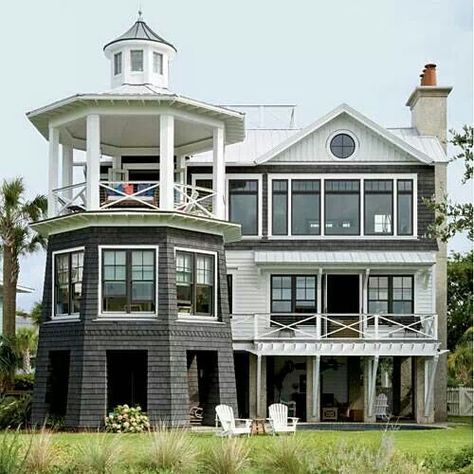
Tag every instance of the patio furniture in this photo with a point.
(381, 407)
(330, 414)
(258, 426)
(279, 420)
(225, 416)
(291, 407)
(195, 415)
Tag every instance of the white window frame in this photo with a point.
(190, 317)
(62, 317)
(345, 132)
(123, 316)
(345, 176)
(116, 55)
(153, 56)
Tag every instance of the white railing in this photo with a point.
(70, 199)
(129, 194)
(335, 326)
(194, 200)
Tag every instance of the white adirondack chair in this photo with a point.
(279, 420)
(225, 416)
(381, 407)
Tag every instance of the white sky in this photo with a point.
(317, 54)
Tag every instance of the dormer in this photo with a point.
(140, 56)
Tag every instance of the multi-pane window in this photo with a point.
(136, 60)
(243, 204)
(195, 280)
(342, 204)
(117, 63)
(293, 293)
(129, 280)
(378, 204)
(391, 294)
(405, 206)
(68, 270)
(280, 207)
(305, 207)
(157, 63)
(342, 146)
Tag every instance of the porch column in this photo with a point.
(53, 170)
(370, 381)
(67, 176)
(313, 401)
(166, 162)
(93, 162)
(257, 386)
(425, 373)
(218, 173)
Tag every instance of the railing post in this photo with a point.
(376, 326)
(318, 326)
(435, 326)
(255, 326)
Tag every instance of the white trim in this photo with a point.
(123, 315)
(69, 316)
(345, 132)
(344, 176)
(187, 316)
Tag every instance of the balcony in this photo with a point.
(141, 195)
(335, 327)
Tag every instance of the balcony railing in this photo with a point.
(320, 327)
(135, 195)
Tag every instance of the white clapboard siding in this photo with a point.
(424, 292)
(372, 147)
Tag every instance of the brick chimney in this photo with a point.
(428, 105)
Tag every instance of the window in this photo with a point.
(293, 294)
(117, 64)
(405, 207)
(378, 203)
(305, 207)
(230, 292)
(391, 294)
(342, 145)
(68, 270)
(243, 204)
(136, 60)
(342, 207)
(195, 283)
(280, 207)
(128, 280)
(157, 63)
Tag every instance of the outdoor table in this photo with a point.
(258, 426)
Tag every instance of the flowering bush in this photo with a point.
(125, 419)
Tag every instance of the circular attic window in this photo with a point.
(342, 145)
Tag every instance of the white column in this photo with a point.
(166, 162)
(218, 173)
(259, 385)
(93, 162)
(53, 169)
(67, 176)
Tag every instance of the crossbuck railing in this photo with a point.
(70, 198)
(338, 326)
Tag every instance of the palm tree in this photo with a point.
(10, 360)
(26, 342)
(16, 239)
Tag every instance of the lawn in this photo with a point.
(420, 444)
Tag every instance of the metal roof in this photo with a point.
(140, 31)
(344, 258)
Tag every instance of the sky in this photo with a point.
(313, 53)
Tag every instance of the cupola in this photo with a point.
(140, 56)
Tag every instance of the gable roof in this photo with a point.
(346, 109)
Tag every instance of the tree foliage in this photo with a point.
(453, 218)
(17, 239)
(460, 362)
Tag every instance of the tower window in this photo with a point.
(68, 268)
(157, 63)
(136, 60)
(117, 64)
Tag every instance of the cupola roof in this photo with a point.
(140, 31)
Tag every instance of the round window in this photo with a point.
(342, 145)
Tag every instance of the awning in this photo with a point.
(263, 257)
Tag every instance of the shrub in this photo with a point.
(125, 419)
(449, 460)
(229, 457)
(24, 381)
(287, 455)
(42, 455)
(171, 451)
(100, 454)
(15, 412)
(12, 460)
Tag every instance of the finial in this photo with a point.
(140, 15)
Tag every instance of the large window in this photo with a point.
(305, 207)
(129, 280)
(405, 206)
(378, 203)
(195, 280)
(136, 60)
(243, 204)
(280, 207)
(342, 207)
(391, 294)
(117, 64)
(158, 63)
(68, 269)
(293, 293)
